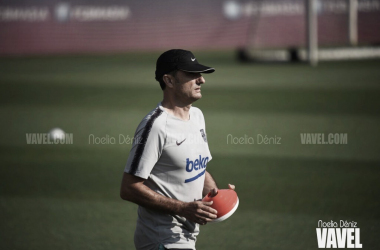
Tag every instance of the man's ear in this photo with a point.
(169, 80)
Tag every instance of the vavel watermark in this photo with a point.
(342, 234)
(258, 139)
(49, 138)
(321, 138)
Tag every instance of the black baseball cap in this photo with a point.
(179, 59)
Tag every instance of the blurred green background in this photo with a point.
(67, 196)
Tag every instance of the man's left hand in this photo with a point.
(214, 191)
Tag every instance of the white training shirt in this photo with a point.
(172, 155)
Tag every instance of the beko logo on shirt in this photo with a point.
(197, 164)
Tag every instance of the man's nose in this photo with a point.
(201, 80)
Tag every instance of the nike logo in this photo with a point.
(192, 59)
(179, 143)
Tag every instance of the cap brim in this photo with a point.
(196, 68)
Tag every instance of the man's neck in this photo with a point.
(177, 109)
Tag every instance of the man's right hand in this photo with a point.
(199, 212)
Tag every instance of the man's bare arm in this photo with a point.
(133, 190)
(211, 186)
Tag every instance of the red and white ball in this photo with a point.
(225, 202)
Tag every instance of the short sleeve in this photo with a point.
(147, 146)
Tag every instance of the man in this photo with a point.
(166, 168)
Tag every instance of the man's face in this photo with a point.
(188, 85)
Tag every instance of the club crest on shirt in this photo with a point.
(203, 135)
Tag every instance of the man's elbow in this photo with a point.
(125, 194)
(130, 186)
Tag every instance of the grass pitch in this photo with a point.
(67, 196)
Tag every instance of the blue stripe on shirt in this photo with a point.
(195, 177)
